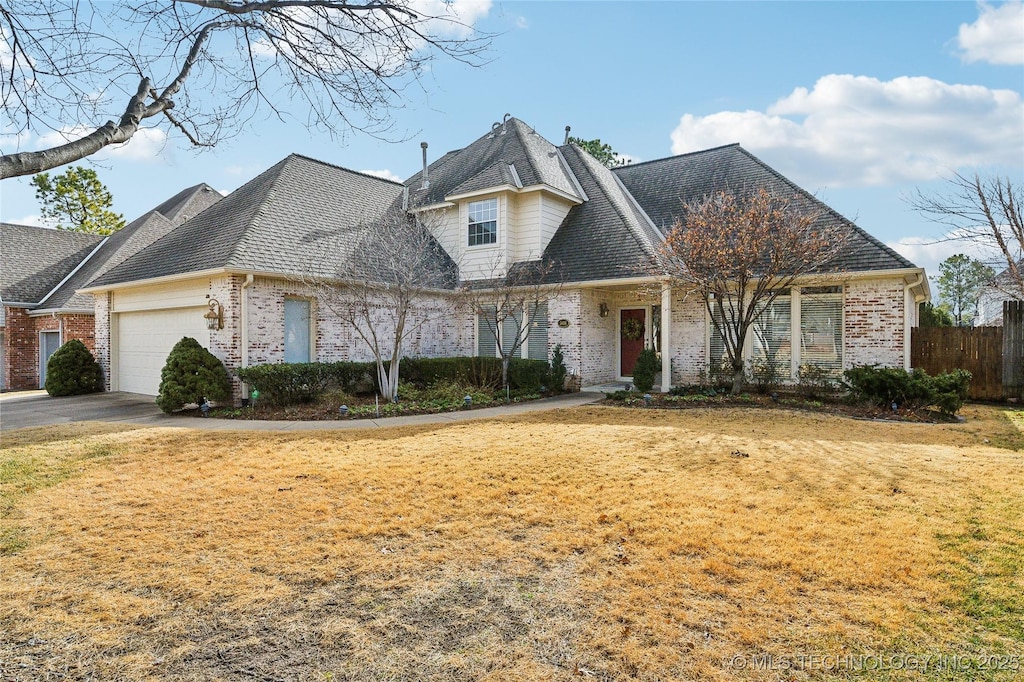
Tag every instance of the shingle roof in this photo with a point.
(278, 222)
(485, 163)
(34, 260)
(661, 187)
(606, 237)
(131, 239)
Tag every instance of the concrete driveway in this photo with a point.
(36, 408)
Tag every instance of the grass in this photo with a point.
(596, 542)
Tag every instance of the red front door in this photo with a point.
(632, 333)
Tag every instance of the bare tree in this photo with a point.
(205, 68)
(509, 302)
(739, 252)
(392, 279)
(987, 212)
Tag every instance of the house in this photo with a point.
(990, 302)
(42, 269)
(509, 198)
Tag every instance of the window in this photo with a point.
(773, 330)
(483, 222)
(296, 330)
(821, 328)
(534, 346)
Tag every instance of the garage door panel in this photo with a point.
(144, 340)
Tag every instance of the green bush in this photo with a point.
(72, 370)
(647, 367)
(558, 369)
(886, 385)
(191, 374)
(474, 371)
(528, 375)
(306, 382)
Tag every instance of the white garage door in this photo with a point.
(145, 338)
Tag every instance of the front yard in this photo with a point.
(594, 543)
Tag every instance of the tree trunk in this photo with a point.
(738, 379)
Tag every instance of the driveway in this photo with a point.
(36, 408)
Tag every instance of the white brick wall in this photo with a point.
(101, 315)
(873, 325)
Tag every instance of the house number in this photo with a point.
(563, 323)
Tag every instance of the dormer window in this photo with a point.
(483, 222)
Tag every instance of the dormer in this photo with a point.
(497, 202)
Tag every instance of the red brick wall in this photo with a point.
(21, 343)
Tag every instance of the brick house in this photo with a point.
(508, 198)
(42, 269)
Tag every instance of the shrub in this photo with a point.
(72, 370)
(558, 369)
(528, 375)
(646, 368)
(886, 385)
(815, 382)
(767, 373)
(474, 371)
(191, 374)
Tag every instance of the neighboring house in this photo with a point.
(42, 269)
(510, 197)
(990, 303)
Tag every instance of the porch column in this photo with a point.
(666, 337)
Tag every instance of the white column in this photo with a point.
(666, 337)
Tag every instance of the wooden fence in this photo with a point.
(993, 355)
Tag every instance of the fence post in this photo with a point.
(1013, 349)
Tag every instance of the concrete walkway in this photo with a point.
(36, 408)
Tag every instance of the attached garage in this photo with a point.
(145, 338)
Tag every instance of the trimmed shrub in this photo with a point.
(191, 374)
(474, 371)
(72, 370)
(558, 369)
(886, 385)
(527, 376)
(306, 382)
(646, 368)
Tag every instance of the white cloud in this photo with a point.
(927, 253)
(453, 17)
(522, 22)
(857, 130)
(384, 173)
(996, 37)
(33, 219)
(145, 145)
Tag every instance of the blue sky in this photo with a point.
(859, 102)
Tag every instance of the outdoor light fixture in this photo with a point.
(215, 315)
(604, 310)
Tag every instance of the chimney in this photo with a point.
(567, 129)
(426, 180)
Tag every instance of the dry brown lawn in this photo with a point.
(595, 543)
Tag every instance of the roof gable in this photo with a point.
(34, 260)
(485, 164)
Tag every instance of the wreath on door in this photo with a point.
(632, 329)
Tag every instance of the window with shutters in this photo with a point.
(535, 343)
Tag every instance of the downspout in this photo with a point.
(908, 314)
(244, 323)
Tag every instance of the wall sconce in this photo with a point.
(215, 315)
(604, 309)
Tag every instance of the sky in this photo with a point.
(861, 103)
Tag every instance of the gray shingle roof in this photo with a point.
(131, 239)
(661, 187)
(485, 162)
(605, 237)
(33, 260)
(280, 222)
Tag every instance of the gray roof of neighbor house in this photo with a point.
(486, 163)
(286, 220)
(661, 187)
(33, 260)
(128, 241)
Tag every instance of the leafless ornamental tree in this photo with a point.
(739, 252)
(393, 278)
(988, 212)
(205, 68)
(508, 302)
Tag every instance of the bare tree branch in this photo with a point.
(216, 63)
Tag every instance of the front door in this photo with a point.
(49, 342)
(632, 333)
